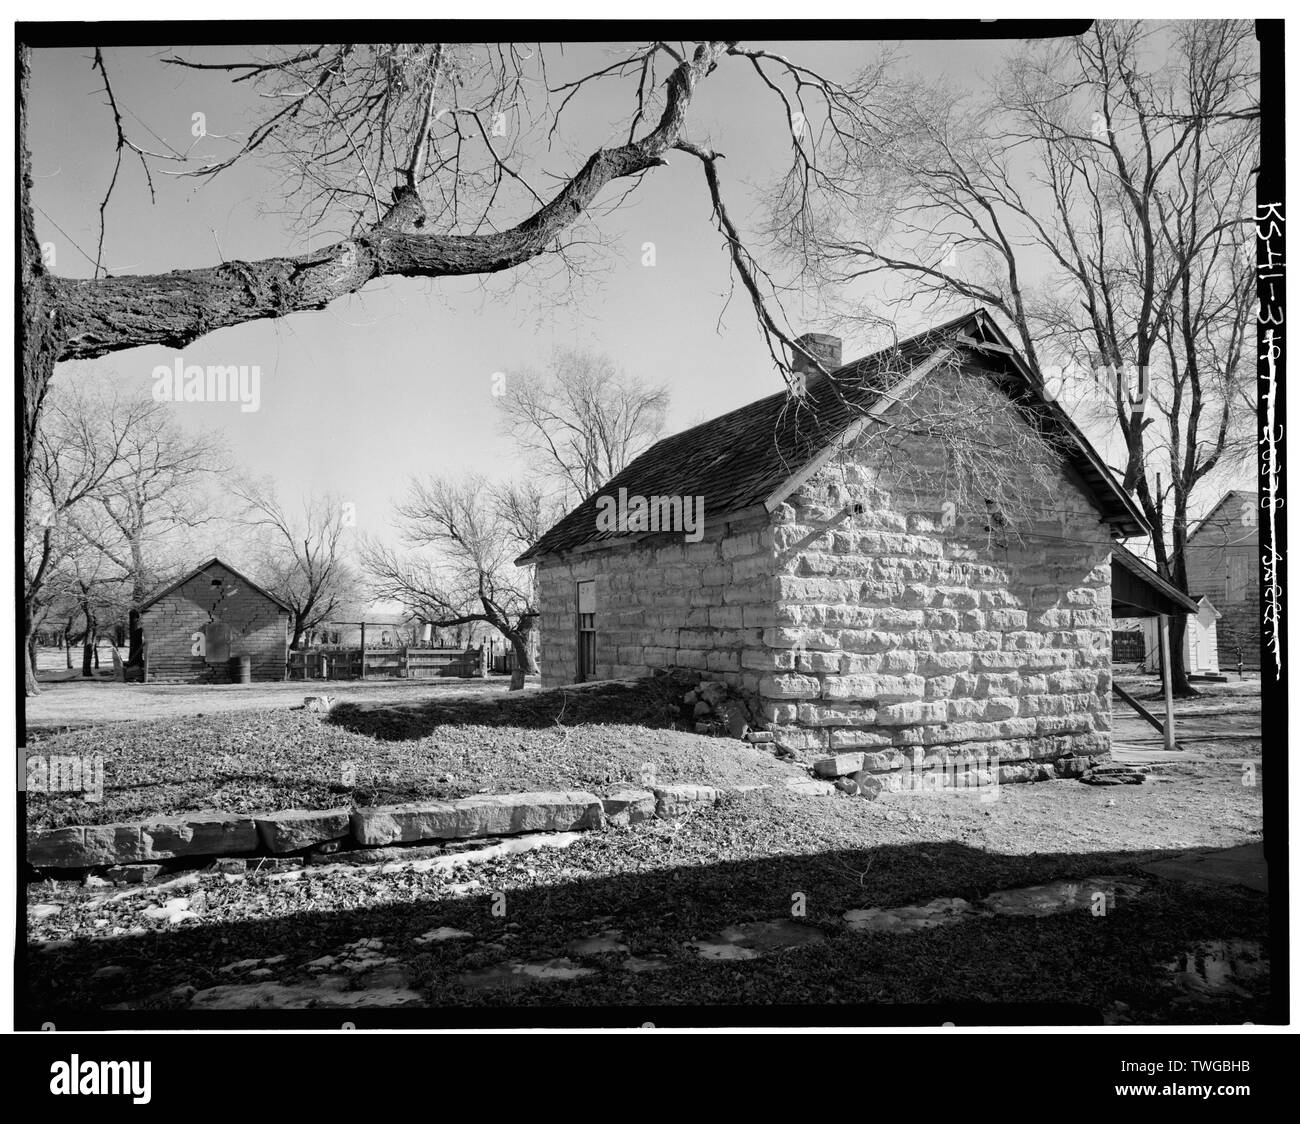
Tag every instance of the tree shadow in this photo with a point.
(648, 702)
(1075, 967)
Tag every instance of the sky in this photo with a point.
(397, 381)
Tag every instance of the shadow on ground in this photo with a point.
(651, 703)
(1066, 967)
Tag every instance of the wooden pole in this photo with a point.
(363, 649)
(1166, 676)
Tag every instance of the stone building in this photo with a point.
(847, 572)
(1223, 560)
(198, 628)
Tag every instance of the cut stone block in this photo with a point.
(629, 806)
(68, 847)
(841, 765)
(198, 833)
(475, 816)
(166, 837)
(674, 799)
(125, 875)
(299, 828)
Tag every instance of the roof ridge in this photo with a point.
(175, 585)
(896, 345)
(743, 457)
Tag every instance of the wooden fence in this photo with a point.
(1127, 647)
(385, 663)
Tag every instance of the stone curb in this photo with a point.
(507, 814)
(163, 837)
(204, 834)
(217, 834)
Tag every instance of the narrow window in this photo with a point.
(586, 631)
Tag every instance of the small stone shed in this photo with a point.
(197, 628)
(860, 615)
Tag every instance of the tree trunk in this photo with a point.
(523, 660)
(1183, 688)
(135, 644)
(38, 338)
(30, 687)
(1177, 666)
(29, 668)
(88, 645)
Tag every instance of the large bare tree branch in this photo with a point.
(97, 317)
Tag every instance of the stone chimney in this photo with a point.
(828, 349)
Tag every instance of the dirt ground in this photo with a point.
(672, 913)
(1038, 905)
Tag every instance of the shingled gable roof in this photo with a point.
(754, 456)
(1239, 494)
(198, 570)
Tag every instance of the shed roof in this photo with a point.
(1137, 590)
(754, 455)
(214, 560)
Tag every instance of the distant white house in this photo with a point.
(1200, 641)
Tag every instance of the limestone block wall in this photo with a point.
(908, 624)
(662, 602)
(870, 612)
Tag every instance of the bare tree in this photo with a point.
(155, 490)
(430, 156)
(76, 456)
(304, 563)
(433, 160)
(526, 510)
(1099, 199)
(470, 534)
(582, 420)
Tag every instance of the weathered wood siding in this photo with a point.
(255, 626)
(1223, 564)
